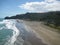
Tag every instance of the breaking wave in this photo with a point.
(10, 24)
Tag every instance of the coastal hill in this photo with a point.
(52, 17)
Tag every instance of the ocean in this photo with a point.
(8, 32)
(16, 32)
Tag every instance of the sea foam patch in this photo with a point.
(11, 25)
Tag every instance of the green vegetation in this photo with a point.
(49, 18)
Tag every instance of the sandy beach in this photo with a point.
(45, 32)
(27, 35)
(34, 33)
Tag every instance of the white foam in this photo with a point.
(2, 22)
(11, 25)
(3, 28)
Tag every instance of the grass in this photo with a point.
(53, 26)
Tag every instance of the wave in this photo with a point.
(3, 28)
(3, 21)
(11, 25)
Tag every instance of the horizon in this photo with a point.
(13, 7)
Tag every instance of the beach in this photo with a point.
(27, 35)
(35, 33)
(47, 34)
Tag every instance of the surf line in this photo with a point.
(12, 25)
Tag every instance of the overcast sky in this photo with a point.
(13, 7)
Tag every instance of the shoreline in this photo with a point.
(48, 35)
(27, 36)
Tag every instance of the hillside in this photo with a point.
(52, 17)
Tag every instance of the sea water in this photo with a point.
(8, 32)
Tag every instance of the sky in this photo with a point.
(13, 7)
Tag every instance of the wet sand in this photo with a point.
(46, 33)
(27, 36)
